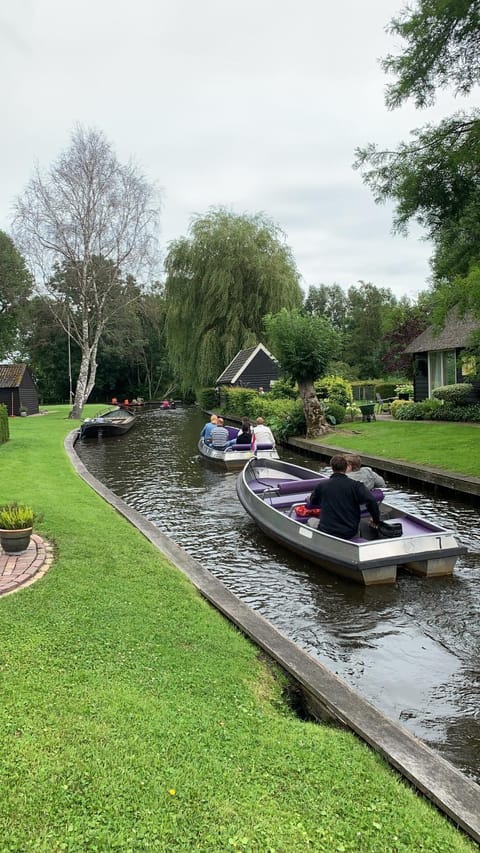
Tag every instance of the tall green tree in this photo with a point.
(367, 320)
(221, 280)
(15, 289)
(304, 345)
(329, 301)
(97, 219)
(435, 177)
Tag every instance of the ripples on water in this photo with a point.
(412, 648)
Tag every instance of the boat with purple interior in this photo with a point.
(237, 455)
(270, 492)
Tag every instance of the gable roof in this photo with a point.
(454, 334)
(241, 361)
(11, 375)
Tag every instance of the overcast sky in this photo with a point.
(256, 106)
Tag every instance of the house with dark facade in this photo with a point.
(437, 356)
(18, 390)
(255, 367)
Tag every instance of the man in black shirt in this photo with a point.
(340, 499)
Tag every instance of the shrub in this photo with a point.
(334, 412)
(14, 516)
(287, 421)
(4, 427)
(336, 389)
(449, 412)
(404, 388)
(410, 412)
(385, 390)
(458, 394)
(284, 388)
(352, 411)
(396, 405)
(207, 398)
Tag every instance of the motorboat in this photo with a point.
(270, 491)
(237, 455)
(115, 421)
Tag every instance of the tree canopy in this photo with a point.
(435, 177)
(95, 221)
(304, 345)
(15, 289)
(221, 280)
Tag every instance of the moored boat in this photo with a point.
(115, 421)
(237, 455)
(271, 491)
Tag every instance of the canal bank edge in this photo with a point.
(325, 694)
(412, 471)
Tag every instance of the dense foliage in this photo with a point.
(15, 289)
(4, 429)
(222, 279)
(435, 178)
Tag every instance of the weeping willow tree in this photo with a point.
(222, 279)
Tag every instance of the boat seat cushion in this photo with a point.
(289, 487)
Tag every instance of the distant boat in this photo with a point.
(113, 422)
(270, 493)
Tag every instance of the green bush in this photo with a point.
(449, 412)
(283, 388)
(287, 420)
(410, 412)
(334, 412)
(458, 394)
(4, 428)
(385, 390)
(207, 398)
(14, 516)
(336, 389)
(396, 405)
(352, 411)
(243, 402)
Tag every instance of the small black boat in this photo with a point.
(114, 422)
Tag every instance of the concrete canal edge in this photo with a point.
(409, 471)
(325, 694)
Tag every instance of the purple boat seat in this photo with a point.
(241, 447)
(289, 487)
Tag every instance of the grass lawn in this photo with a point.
(450, 446)
(135, 718)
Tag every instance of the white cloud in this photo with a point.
(256, 105)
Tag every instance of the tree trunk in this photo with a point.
(314, 414)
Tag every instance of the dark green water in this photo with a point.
(413, 648)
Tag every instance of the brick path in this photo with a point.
(19, 570)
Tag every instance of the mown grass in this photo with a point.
(135, 718)
(449, 446)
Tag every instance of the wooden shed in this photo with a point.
(437, 356)
(18, 390)
(251, 368)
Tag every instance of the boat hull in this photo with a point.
(232, 459)
(113, 422)
(424, 549)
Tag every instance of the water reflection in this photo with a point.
(411, 648)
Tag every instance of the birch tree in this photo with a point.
(97, 219)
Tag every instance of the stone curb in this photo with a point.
(327, 695)
(408, 470)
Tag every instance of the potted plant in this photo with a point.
(16, 525)
(23, 412)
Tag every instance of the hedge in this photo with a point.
(4, 428)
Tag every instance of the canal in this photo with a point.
(412, 648)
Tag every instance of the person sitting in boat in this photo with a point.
(364, 474)
(219, 435)
(165, 404)
(244, 435)
(263, 434)
(340, 499)
(206, 432)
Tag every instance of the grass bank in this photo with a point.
(135, 718)
(448, 446)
